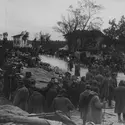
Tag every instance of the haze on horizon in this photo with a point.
(41, 15)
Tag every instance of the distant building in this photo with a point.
(84, 40)
(18, 41)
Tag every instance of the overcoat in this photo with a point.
(119, 96)
(63, 104)
(104, 90)
(51, 94)
(36, 102)
(21, 98)
(95, 111)
(77, 70)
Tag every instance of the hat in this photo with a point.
(87, 87)
(32, 81)
(62, 92)
(94, 82)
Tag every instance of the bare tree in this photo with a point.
(44, 37)
(116, 30)
(84, 16)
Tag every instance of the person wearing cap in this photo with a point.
(82, 84)
(66, 80)
(105, 87)
(95, 84)
(89, 75)
(60, 79)
(52, 81)
(77, 69)
(21, 96)
(36, 99)
(27, 79)
(90, 106)
(57, 86)
(101, 69)
(112, 86)
(114, 79)
(119, 97)
(70, 64)
(50, 95)
(62, 103)
(99, 78)
(67, 74)
(94, 113)
(83, 103)
(19, 66)
(13, 78)
(74, 92)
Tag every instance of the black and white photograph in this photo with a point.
(62, 62)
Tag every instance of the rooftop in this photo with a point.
(18, 35)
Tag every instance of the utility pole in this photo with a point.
(6, 15)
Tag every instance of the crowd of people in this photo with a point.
(112, 58)
(65, 92)
(88, 94)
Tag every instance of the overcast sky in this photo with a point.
(37, 15)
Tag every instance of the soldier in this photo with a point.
(95, 108)
(119, 97)
(50, 95)
(62, 103)
(112, 86)
(83, 103)
(52, 81)
(105, 87)
(77, 69)
(82, 85)
(36, 100)
(66, 80)
(89, 75)
(21, 96)
(27, 79)
(90, 106)
(70, 64)
(8, 71)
